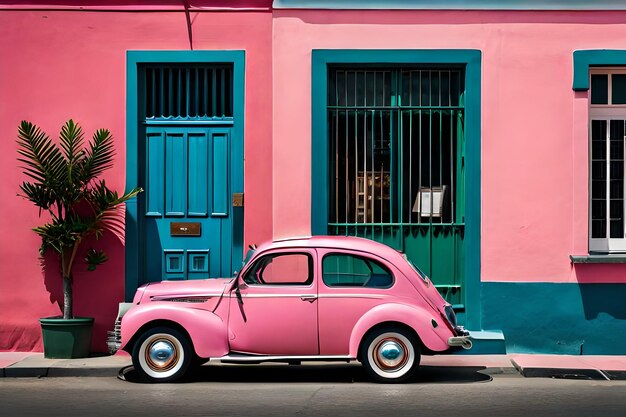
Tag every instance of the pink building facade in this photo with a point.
(506, 126)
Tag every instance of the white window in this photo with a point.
(607, 119)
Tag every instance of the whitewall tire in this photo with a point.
(390, 355)
(162, 354)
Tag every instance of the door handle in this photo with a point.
(309, 298)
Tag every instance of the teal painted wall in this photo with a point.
(557, 318)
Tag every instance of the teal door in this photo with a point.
(187, 216)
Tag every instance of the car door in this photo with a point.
(350, 284)
(275, 312)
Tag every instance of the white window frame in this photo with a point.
(606, 112)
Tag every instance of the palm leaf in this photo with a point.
(44, 162)
(71, 139)
(38, 194)
(98, 157)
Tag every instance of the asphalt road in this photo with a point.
(313, 390)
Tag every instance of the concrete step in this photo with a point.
(486, 342)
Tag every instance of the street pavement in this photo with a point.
(19, 364)
(314, 390)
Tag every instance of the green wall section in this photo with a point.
(557, 318)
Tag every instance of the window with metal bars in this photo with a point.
(188, 92)
(396, 161)
(607, 122)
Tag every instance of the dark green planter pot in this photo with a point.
(66, 339)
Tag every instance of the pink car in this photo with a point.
(320, 298)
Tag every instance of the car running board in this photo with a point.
(250, 358)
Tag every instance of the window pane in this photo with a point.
(598, 150)
(618, 89)
(617, 229)
(598, 189)
(354, 271)
(293, 268)
(617, 209)
(360, 88)
(445, 88)
(341, 88)
(598, 229)
(351, 88)
(598, 130)
(598, 209)
(425, 88)
(617, 189)
(370, 91)
(405, 90)
(598, 170)
(599, 89)
(435, 92)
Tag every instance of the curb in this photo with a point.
(54, 372)
(570, 373)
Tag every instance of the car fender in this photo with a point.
(418, 318)
(207, 330)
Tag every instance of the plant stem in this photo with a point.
(67, 298)
(66, 266)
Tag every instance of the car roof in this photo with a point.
(332, 242)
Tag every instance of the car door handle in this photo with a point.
(309, 298)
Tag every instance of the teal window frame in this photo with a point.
(470, 59)
(584, 59)
(133, 60)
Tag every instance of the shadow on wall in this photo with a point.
(598, 298)
(557, 318)
(97, 293)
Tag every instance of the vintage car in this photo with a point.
(318, 298)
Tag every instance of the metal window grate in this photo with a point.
(397, 168)
(395, 146)
(188, 91)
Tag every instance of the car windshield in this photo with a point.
(249, 256)
(421, 274)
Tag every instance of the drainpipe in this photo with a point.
(189, 32)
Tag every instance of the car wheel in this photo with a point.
(390, 355)
(162, 354)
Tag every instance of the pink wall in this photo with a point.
(58, 65)
(534, 127)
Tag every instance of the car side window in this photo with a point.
(281, 269)
(343, 270)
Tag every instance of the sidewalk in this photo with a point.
(17, 364)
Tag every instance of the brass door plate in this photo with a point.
(185, 229)
(237, 199)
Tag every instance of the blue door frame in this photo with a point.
(470, 60)
(134, 235)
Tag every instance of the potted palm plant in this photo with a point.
(64, 183)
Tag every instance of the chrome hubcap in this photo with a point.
(161, 355)
(390, 354)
